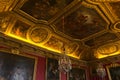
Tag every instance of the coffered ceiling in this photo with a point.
(88, 29)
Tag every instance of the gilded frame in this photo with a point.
(52, 72)
(77, 74)
(13, 64)
(113, 71)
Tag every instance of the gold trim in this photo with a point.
(83, 68)
(49, 66)
(28, 56)
(113, 17)
(40, 26)
(97, 10)
(114, 27)
(111, 66)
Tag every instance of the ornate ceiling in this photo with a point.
(89, 29)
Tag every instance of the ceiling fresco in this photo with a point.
(44, 9)
(82, 23)
(84, 27)
(20, 29)
(54, 43)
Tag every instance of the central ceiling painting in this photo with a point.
(82, 23)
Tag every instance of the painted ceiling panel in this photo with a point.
(82, 23)
(44, 9)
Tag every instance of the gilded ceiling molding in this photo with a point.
(100, 12)
(39, 33)
(72, 47)
(3, 4)
(89, 5)
(108, 50)
(65, 10)
(110, 12)
(46, 33)
(80, 53)
(19, 8)
(17, 11)
(116, 27)
(105, 6)
(7, 5)
(54, 43)
(11, 46)
(26, 31)
(36, 34)
(92, 2)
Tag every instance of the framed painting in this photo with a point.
(113, 71)
(52, 69)
(77, 74)
(16, 67)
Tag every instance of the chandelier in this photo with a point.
(101, 71)
(64, 62)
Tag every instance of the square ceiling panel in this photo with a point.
(82, 23)
(44, 9)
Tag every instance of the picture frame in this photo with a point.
(17, 66)
(52, 72)
(77, 74)
(113, 71)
